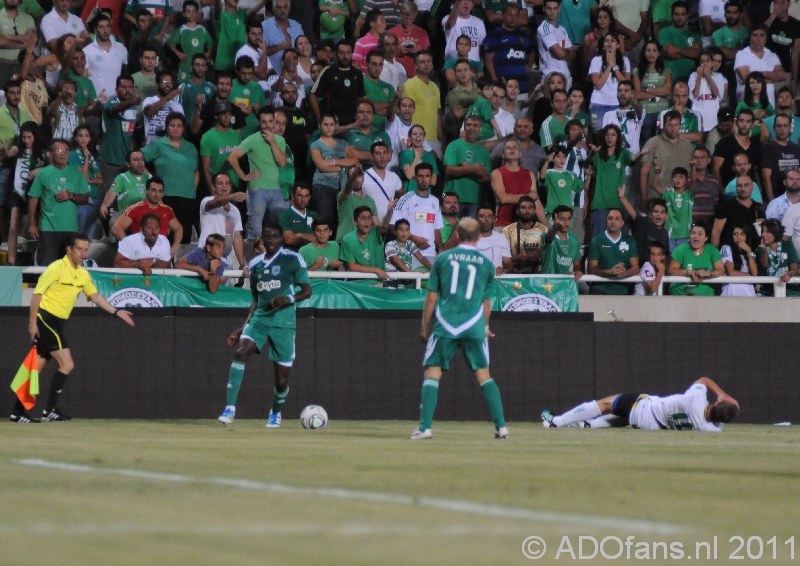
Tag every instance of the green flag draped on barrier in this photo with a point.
(517, 294)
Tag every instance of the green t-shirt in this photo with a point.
(561, 187)
(312, 253)
(686, 257)
(661, 11)
(457, 96)
(778, 264)
(481, 107)
(271, 277)
(368, 253)
(117, 133)
(259, 153)
(654, 79)
(447, 230)
(287, 174)
(246, 95)
(463, 279)
(559, 255)
(145, 86)
(608, 254)
(218, 145)
(458, 152)
(679, 212)
(690, 121)
(681, 38)
(189, 41)
(175, 166)
(580, 116)
(189, 96)
(292, 221)
(407, 157)
(345, 212)
(726, 37)
(85, 91)
(609, 174)
(129, 188)
(57, 216)
(552, 130)
(231, 36)
(378, 91)
(363, 142)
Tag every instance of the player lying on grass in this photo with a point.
(691, 410)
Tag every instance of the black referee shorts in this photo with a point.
(51, 334)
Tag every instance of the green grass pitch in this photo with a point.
(194, 492)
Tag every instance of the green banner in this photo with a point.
(11, 286)
(523, 294)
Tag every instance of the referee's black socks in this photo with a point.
(55, 390)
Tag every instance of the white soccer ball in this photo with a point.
(314, 417)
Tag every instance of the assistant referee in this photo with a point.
(53, 300)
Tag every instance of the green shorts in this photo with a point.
(281, 340)
(440, 350)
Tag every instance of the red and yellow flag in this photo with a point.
(26, 382)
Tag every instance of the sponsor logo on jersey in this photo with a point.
(268, 285)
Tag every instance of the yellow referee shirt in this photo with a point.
(60, 285)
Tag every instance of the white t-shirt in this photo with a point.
(53, 27)
(791, 224)
(424, 216)
(505, 121)
(548, 35)
(134, 248)
(707, 105)
(715, 9)
(495, 247)
(155, 125)
(767, 62)
(219, 221)
(398, 134)
(684, 411)
(629, 12)
(472, 27)
(736, 289)
(393, 73)
(105, 66)
(607, 95)
(381, 190)
(631, 127)
(254, 54)
(647, 273)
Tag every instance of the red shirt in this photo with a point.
(137, 211)
(515, 183)
(414, 39)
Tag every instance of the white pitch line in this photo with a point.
(460, 506)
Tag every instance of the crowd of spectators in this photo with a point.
(608, 137)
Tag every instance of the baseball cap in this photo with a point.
(221, 107)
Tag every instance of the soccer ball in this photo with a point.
(314, 417)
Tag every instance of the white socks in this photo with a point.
(583, 412)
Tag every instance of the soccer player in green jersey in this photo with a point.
(456, 313)
(272, 320)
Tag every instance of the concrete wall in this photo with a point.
(367, 364)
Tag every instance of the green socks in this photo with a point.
(235, 376)
(430, 396)
(278, 400)
(492, 395)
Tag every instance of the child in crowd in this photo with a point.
(652, 271)
(207, 262)
(679, 208)
(575, 109)
(483, 108)
(401, 252)
(322, 254)
(189, 39)
(561, 185)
